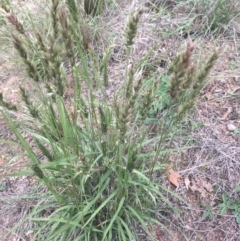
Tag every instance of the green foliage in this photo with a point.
(195, 125)
(231, 205)
(208, 213)
(5, 5)
(162, 99)
(235, 132)
(2, 21)
(99, 159)
(94, 7)
(216, 15)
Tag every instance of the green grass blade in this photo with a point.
(100, 207)
(19, 136)
(114, 217)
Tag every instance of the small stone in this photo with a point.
(231, 127)
(108, 92)
(217, 90)
(216, 132)
(223, 81)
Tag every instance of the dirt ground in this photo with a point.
(209, 169)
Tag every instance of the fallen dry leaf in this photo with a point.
(201, 186)
(158, 235)
(187, 182)
(173, 177)
(155, 234)
(201, 190)
(72, 111)
(208, 186)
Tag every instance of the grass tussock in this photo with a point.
(99, 153)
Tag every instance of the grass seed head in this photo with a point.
(63, 18)
(180, 70)
(183, 110)
(124, 119)
(32, 70)
(66, 35)
(131, 29)
(32, 109)
(19, 46)
(132, 158)
(86, 37)
(136, 91)
(54, 16)
(147, 102)
(130, 82)
(44, 150)
(201, 77)
(103, 119)
(40, 42)
(14, 21)
(37, 171)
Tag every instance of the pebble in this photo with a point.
(231, 127)
(217, 90)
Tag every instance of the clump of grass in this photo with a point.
(93, 7)
(216, 15)
(97, 171)
(175, 95)
(74, 11)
